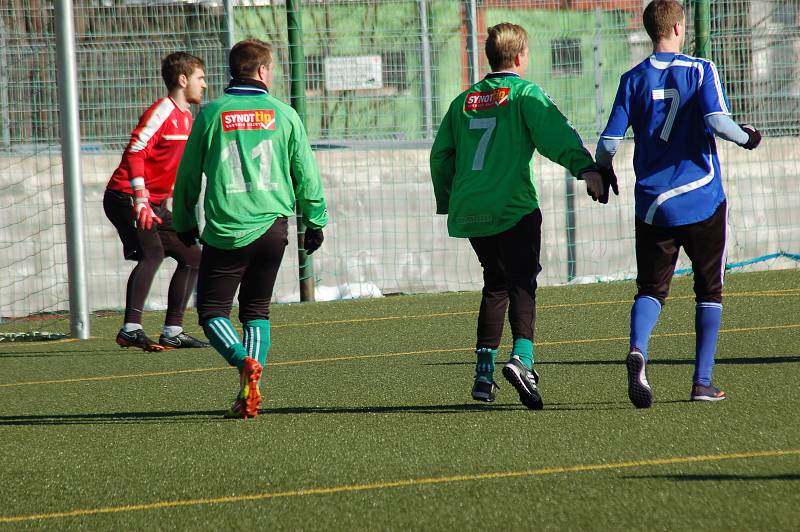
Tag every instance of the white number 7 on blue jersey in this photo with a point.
(675, 97)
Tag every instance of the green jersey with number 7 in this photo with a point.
(255, 154)
(481, 160)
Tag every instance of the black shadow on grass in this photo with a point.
(40, 354)
(82, 353)
(114, 418)
(682, 478)
(216, 415)
(789, 359)
(442, 409)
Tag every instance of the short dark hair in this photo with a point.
(176, 64)
(247, 56)
(660, 16)
(505, 42)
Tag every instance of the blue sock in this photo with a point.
(644, 315)
(707, 319)
(225, 340)
(257, 340)
(523, 349)
(484, 367)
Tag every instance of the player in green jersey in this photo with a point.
(482, 178)
(257, 160)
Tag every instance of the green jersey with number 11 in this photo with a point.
(255, 154)
(481, 158)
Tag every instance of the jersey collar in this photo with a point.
(246, 87)
(501, 74)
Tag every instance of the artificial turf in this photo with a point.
(367, 423)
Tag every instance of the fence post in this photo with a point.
(5, 116)
(71, 164)
(702, 23)
(230, 27)
(297, 81)
(471, 9)
(427, 89)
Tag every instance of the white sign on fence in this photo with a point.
(353, 73)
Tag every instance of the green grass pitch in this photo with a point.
(367, 423)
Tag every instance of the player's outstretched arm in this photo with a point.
(725, 128)
(604, 155)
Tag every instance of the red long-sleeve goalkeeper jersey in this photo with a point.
(155, 150)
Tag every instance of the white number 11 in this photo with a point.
(262, 152)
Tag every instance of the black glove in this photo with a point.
(190, 237)
(609, 181)
(753, 137)
(312, 240)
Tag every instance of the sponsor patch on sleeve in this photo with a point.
(248, 120)
(479, 101)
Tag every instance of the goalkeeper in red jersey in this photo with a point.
(481, 170)
(135, 202)
(257, 160)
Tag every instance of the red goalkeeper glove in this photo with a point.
(142, 210)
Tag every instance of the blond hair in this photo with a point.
(505, 42)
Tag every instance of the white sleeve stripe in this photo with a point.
(717, 113)
(174, 137)
(157, 119)
(612, 137)
(718, 86)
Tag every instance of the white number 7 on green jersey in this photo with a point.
(480, 153)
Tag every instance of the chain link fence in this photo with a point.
(379, 76)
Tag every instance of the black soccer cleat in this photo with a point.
(483, 390)
(639, 391)
(524, 380)
(138, 339)
(181, 341)
(707, 393)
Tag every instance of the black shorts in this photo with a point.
(118, 207)
(657, 251)
(252, 269)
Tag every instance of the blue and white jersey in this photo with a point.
(665, 100)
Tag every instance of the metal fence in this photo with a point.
(379, 75)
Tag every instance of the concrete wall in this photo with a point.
(383, 234)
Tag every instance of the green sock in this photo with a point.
(523, 349)
(257, 340)
(225, 340)
(484, 368)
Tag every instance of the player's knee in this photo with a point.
(709, 298)
(190, 258)
(658, 295)
(151, 253)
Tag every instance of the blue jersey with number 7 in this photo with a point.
(665, 99)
